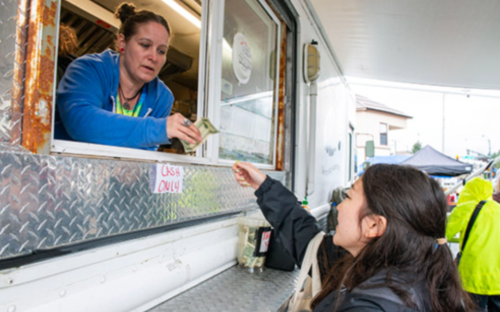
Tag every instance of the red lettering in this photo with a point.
(177, 186)
(166, 186)
(164, 170)
(170, 171)
(169, 179)
(161, 187)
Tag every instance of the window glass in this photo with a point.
(383, 134)
(248, 95)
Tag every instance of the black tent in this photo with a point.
(435, 163)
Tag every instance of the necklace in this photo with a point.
(126, 105)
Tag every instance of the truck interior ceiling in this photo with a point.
(96, 29)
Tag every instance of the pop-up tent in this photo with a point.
(393, 159)
(435, 163)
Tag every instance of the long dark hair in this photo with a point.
(415, 208)
(131, 18)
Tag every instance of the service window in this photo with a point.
(235, 85)
(96, 30)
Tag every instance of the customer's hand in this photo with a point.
(177, 127)
(247, 175)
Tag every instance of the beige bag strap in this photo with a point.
(312, 285)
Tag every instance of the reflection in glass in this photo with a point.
(248, 83)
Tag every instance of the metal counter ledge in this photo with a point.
(235, 290)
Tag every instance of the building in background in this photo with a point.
(374, 122)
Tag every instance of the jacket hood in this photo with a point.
(476, 190)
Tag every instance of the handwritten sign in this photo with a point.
(166, 178)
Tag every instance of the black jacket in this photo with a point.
(295, 227)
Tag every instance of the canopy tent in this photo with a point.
(453, 43)
(393, 159)
(436, 163)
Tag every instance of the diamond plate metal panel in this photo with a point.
(8, 13)
(48, 201)
(236, 290)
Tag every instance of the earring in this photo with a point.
(122, 50)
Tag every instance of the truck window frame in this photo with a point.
(210, 58)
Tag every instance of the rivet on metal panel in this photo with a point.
(12, 309)
(11, 281)
(62, 293)
(103, 279)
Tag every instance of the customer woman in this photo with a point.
(116, 98)
(392, 225)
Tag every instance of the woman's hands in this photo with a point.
(247, 175)
(177, 129)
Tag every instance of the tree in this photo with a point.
(495, 155)
(416, 147)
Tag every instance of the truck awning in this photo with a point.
(453, 43)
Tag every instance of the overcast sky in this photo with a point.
(471, 117)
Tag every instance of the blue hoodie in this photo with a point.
(86, 104)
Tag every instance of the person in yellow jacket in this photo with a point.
(480, 263)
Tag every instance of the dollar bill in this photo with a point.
(247, 241)
(206, 128)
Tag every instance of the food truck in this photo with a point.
(89, 227)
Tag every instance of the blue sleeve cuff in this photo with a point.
(157, 134)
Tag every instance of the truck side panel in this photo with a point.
(51, 202)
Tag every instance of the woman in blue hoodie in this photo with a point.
(116, 98)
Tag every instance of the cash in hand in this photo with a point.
(206, 128)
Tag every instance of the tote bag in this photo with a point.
(307, 286)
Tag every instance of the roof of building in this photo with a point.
(363, 103)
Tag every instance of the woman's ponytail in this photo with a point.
(444, 282)
(124, 11)
(131, 18)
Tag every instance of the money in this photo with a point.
(246, 258)
(206, 128)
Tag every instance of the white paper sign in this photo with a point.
(166, 178)
(242, 58)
